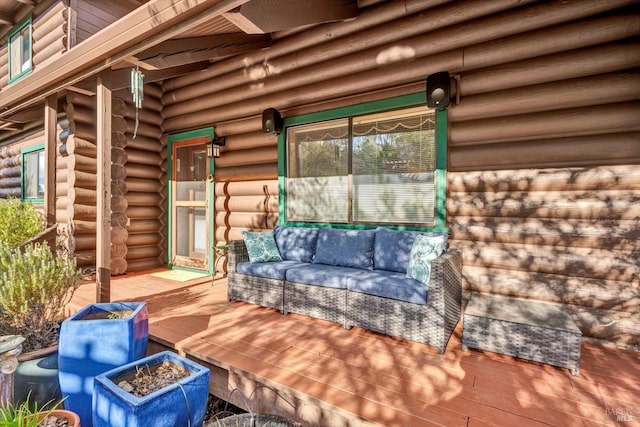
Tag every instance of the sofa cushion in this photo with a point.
(296, 243)
(261, 246)
(270, 270)
(389, 284)
(424, 250)
(392, 248)
(345, 248)
(329, 276)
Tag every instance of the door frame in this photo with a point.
(171, 140)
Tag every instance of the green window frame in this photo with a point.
(350, 116)
(32, 185)
(20, 43)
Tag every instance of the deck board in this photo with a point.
(367, 378)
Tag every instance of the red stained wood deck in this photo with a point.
(330, 376)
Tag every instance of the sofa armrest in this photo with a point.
(444, 298)
(237, 254)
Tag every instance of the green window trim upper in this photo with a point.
(171, 139)
(405, 101)
(23, 153)
(26, 22)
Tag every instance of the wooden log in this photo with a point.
(83, 243)
(119, 203)
(8, 172)
(77, 211)
(573, 34)
(581, 92)
(254, 156)
(607, 325)
(46, 32)
(119, 219)
(145, 264)
(81, 195)
(119, 139)
(6, 192)
(145, 115)
(143, 143)
(78, 114)
(246, 219)
(579, 291)
(119, 124)
(49, 49)
(119, 188)
(77, 145)
(597, 234)
(82, 163)
(622, 117)
(119, 172)
(143, 252)
(604, 205)
(241, 126)
(119, 234)
(85, 131)
(144, 129)
(118, 266)
(119, 155)
(145, 199)
(623, 148)
(144, 212)
(143, 185)
(78, 178)
(84, 228)
(248, 141)
(119, 106)
(623, 177)
(245, 188)
(247, 173)
(85, 258)
(566, 65)
(232, 233)
(144, 226)
(258, 204)
(577, 262)
(142, 171)
(118, 250)
(143, 157)
(144, 239)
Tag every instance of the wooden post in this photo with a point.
(50, 128)
(103, 203)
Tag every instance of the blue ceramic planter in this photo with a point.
(92, 343)
(180, 404)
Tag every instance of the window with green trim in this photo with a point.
(20, 50)
(33, 174)
(379, 167)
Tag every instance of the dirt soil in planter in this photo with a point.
(149, 379)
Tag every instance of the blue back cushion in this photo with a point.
(393, 248)
(345, 248)
(296, 243)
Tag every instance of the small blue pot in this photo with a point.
(90, 343)
(183, 403)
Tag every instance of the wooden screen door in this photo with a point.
(190, 247)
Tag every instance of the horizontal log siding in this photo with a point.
(50, 34)
(11, 162)
(541, 193)
(145, 181)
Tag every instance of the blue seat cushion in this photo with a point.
(345, 248)
(270, 270)
(329, 276)
(392, 248)
(389, 284)
(296, 243)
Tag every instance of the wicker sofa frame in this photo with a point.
(431, 323)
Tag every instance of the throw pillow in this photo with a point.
(261, 246)
(424, 250)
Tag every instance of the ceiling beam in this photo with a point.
(266, 16)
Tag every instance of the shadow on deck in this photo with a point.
(318, 373)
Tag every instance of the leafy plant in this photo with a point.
(35, 286)
(25, 414)
(19, 221)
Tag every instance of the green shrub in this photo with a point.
(19, 221)
(35, 286)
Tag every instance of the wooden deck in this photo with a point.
(325, 375)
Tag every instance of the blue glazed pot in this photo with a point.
(37, 377)
(91, 343)
(182, 403)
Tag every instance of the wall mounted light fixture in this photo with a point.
(213, 147)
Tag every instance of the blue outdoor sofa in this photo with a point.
(353, 277)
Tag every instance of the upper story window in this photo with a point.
(20, 50)
(33, 174)
(373, 168)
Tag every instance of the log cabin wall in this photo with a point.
(145, 179)
(544, 143)
(11, 161)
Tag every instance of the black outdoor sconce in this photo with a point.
(213, 147)
(271, 121)
(438, 90)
